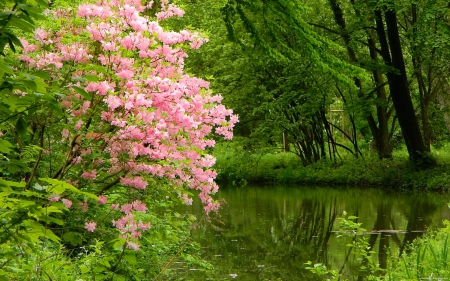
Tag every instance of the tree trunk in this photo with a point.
(379, 133)
(383, 146)
(399, 90)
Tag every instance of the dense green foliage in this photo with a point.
(315, 77)
(237, 165)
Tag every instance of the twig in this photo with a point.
(172, 259)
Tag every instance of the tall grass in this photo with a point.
(426, 259)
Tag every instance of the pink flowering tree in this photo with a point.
(127, 116)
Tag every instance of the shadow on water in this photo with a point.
(269, 233)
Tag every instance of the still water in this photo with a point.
(269, 233)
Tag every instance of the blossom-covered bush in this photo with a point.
(100, 112)
(131, 110)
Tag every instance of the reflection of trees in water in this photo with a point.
(314, 221)
(265, 235)
(418, 218)
(299, 231)
(312, 226)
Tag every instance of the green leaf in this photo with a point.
(43, 74)
(91, 78)
(98, 68)
(14, 39)
(8, 255)
(39, 187)
(84, 269)
(73, 238)
(130, 258)
(99, 269)
(11, 45)
(81, 92)
(118, 245)
(30, 84)
(54, 220)
(6, 14)
(11, 183)
(52, 209)
(58, 187)
(6, 68)
(42, 3)
(21, 126)
(5, 146)
(37, 231)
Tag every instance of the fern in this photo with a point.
(30, 153)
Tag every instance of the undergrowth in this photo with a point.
(237, 165)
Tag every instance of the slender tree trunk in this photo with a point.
(383, 146)
(379, 133)
(399, 89)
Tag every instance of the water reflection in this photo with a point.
(269, 233)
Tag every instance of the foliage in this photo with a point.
(239, 164)
(425, 259)
(275, 71)
(100, 128)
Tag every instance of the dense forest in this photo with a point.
(110, 113)
(371, 71)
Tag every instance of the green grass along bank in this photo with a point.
(238, 166)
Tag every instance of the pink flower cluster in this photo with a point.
(155, 120)
(128, 226)
(90, 226)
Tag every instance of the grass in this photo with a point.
(238, 166)
(426, 259)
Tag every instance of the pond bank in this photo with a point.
(241, 167)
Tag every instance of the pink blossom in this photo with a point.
(102, 199)
(67, 203)
(65, 133)
(132, 245)
(126, 208)
(76, 160)
(143, 226)
(153, 112)
(78, 125)
(90, 226)
(89, 175)
(125, 74)
(85, 151)
(186, 199)
(41, 35)
(139, 206)
(84, 206)
(113, 102)
(103, 87)
(54, 198)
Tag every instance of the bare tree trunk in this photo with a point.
(399, 89)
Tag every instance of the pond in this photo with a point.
(269, 233)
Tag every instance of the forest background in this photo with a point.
(354, 91)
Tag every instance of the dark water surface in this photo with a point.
(269, 233)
